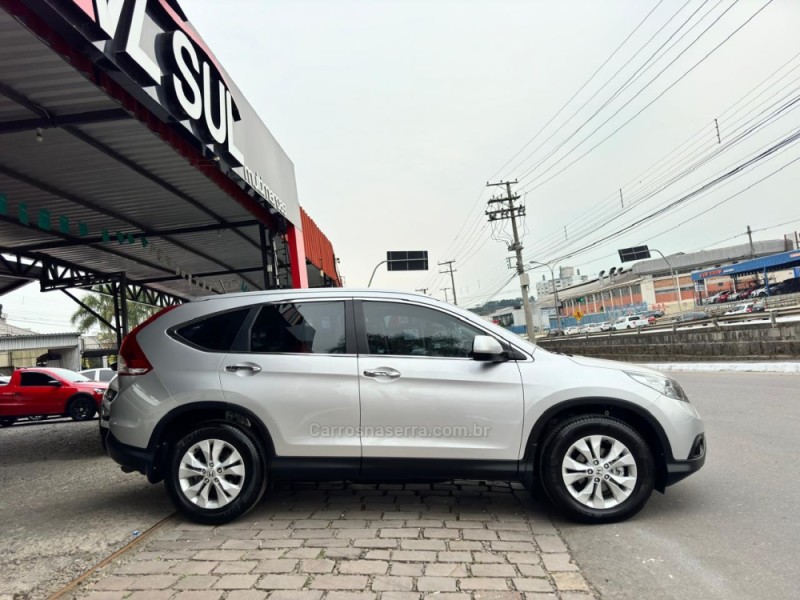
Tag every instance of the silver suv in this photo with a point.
(219, 396)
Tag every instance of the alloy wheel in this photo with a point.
(211, 473)
(599, 471)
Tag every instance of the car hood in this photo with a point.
(601, 363)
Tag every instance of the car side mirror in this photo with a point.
(54, 383)
(486, 348)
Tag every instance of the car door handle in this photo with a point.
(243, 367)
(383, 372)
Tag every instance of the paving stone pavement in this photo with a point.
(465, 540)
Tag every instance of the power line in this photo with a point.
(580, 89)
(646, 106)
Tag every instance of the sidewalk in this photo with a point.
(459, 541)
(728, 367)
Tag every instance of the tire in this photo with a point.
(7, 421)
(574, 491)
(81, 408)
(246, 484)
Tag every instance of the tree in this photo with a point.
(103, 305)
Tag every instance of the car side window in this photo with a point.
(30, 379)
(106, 375)
(299, 327)
(216, 332)
(409, 330)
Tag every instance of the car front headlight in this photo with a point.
(663, 385)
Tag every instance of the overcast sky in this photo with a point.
(397, 112)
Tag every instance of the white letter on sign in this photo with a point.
(182, 47)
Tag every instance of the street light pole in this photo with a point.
(555, 289)
(675, 279)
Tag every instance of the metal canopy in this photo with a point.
(776, 262)
(89, 186)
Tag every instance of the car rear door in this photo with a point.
(423, 397)
(294, 366)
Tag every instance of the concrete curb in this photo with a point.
(728, 367)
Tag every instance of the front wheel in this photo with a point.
(215, 474)
(597, 469)
(81, 409)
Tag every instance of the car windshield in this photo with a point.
(69, 375)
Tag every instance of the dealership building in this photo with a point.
(131, 163)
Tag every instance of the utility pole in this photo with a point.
(449, 264)
(750, 236)
(423, 290)
(446, 299)
(507, 209)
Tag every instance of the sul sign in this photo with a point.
(157, 48)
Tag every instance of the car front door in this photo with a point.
(296, 369)
(423, 397)
(37, 395)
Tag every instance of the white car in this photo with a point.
(741, 309)
(631, 322)
(572, 330)
(220, 396)
(595, 328)
(102, 374)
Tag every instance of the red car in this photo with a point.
(36, 393)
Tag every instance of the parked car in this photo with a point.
(572, 330)
(218, 397)
(554, 332)
(101, 374)
(745, 294)
(774, 290)
(43, 392)
(655, 313)
(790, 286)
(695, 315)
(631, 322)
(595, 328)
(740, 309)
(606, 326)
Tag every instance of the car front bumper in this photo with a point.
(678, 470)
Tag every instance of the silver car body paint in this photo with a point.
(292, 392)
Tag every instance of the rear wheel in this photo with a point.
(216, 474)
(597, 469)
(81, 408)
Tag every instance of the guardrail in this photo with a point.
(755, 336)
(672, 325)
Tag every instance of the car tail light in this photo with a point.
(132, 360)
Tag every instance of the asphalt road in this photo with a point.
(64, 505)
(729, 531)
